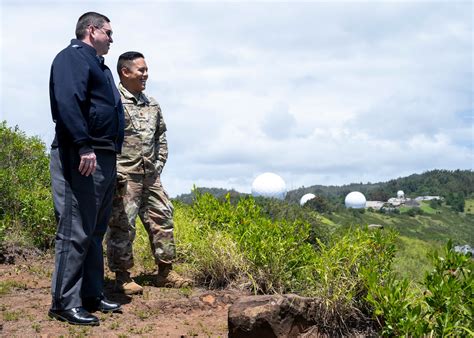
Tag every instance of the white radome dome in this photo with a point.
(306, 198)
(355, 200)
(400, 194)
(269, 185)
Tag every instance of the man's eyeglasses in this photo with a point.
(108, 33)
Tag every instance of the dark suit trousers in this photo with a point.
(82, 207)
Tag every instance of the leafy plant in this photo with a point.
(26, 206)
(395, 306)
(449, 296)
(444, 309)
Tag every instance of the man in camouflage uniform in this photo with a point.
(139, 190)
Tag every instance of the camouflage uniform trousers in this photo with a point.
(143, 196)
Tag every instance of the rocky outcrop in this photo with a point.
(272, 316)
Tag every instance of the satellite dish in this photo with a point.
(306, 198)
(400, 194)
(355, 200)
(269, 185)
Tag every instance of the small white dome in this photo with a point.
(400, 194)
(306, 198)
(355, 200)
(269, 185)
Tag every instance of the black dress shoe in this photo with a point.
(100, 304)
(75, 316)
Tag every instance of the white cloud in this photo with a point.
(318, 92)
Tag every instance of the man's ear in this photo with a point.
(125, 72)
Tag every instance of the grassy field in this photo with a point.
(419, 234)
(469, 207)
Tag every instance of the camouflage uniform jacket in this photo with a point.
(145, 149)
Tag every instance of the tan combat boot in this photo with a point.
(171, 279)
(125, 284)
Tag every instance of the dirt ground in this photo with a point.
(25, 278)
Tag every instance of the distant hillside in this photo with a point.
(419, 233)
(434, 182)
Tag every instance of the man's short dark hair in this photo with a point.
(127, 57)
(89, 19)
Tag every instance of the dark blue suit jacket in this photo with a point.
(85, 103)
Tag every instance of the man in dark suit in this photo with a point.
(88, 114)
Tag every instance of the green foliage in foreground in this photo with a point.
(225, 244)
(444, 309)
(351, 273)
(26, 207)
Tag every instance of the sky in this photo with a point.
(326, 93)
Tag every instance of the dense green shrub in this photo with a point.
(443, 308)
(456, 201)
(26, 208)
(395, 306)
(436, 203)
(319, 204)
(449, 297)
(412, 212)
(225, 243)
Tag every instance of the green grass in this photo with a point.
(12, 316)
(425, 206)
(142, 254)
(327, 221)
(404, 209)
(440, 226)
(412, 259)
(211, 256)
(469, 207)
(8, 286)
